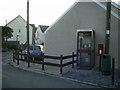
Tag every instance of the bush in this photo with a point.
(12, 47)
(4, 44)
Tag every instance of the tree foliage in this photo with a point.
(6, 33)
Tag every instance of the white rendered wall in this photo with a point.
(60, 38)
(39, 36)
(20, 24)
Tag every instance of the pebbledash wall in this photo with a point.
(61, 37)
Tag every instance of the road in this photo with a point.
(17, 78)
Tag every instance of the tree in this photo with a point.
(6, 33)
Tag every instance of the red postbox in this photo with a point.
(100, 49)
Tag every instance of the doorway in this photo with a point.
(85, 48)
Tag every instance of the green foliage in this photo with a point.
(4, 44)
(6, 33)
(12, 47)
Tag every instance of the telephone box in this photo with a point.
(85, 49)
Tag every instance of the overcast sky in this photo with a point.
(42, 12)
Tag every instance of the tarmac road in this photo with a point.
(16, 78)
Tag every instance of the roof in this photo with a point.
(32, 25)
(16, 18)
(97, 2)
(116, 5)
(43, 27)
(112, 12)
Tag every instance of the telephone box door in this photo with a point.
(85, 49)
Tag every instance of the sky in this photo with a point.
(41, 12)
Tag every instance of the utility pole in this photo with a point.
(6, 22)
(28, 27)
(108, 22)
(106, 62)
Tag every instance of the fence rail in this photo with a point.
(52, 57)
(19, 56)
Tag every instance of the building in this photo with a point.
(61, 37)
(39, 34)
(33, 33)
(18, 24)
(0, 38)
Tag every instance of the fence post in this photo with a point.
(73, 60)
(43, 61)
(28, 60)
(100, 64)
(21, 53)
(13, 55)
(113, 71)
(17, 57)
(61, 64)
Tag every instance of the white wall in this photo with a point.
(20, 23)
(39, 36)
(60, 38)
(114, 47)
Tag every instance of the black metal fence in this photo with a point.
(19, 56)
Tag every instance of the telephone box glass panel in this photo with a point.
(85, 49)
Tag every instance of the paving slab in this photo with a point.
(89, 76)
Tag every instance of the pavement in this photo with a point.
(18, 78)
(92, 77)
